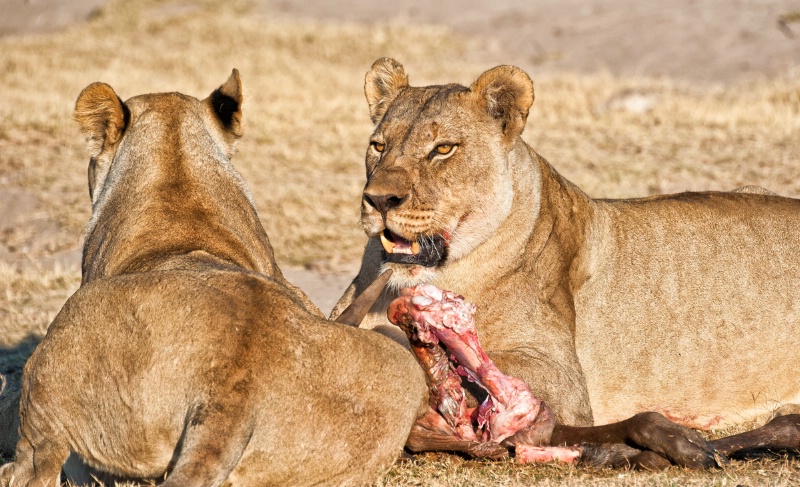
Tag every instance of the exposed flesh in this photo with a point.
(437, 322)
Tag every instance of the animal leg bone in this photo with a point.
(433, 320)
(444, 384)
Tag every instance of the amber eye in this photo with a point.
(442, 150)
(378, 146)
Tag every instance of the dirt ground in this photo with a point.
(710, 41)
(725, 41)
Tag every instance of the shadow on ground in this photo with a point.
(13, 358)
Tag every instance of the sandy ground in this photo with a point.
(724, 41)
(708, 41)
(703, 40)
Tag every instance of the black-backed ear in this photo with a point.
(382, 84)
(102, 117)
(226, 105)
(506, 93)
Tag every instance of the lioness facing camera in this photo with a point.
(684, 304)
(185, 353)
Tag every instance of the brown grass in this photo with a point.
(306, 127)
(449, 471)
(28, 297)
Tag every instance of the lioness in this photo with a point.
(684, 304)
(185, 352)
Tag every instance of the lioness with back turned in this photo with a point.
(185, 353)
(684, 304)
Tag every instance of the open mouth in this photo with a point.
(429, 252)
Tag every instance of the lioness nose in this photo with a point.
(384, 202)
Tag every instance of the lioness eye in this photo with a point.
(442, 149)
(378, 146)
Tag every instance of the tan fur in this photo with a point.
(685, 304)
(185, 352)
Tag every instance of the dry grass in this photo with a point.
(449, 471)
(306, 132)
(29, 300)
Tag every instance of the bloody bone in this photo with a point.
(446, 394)
(432, 319)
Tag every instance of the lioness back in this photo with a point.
(249, 334)
(690, 307)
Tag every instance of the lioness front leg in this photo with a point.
(39, 456)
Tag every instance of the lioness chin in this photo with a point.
(185, 354)
(684, 304)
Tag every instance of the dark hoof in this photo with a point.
(492, 451)
(614, 455)
(682, 446)
(649, 461)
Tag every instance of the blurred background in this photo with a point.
(632, 98)
(701, 40)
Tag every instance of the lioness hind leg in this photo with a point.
(211, 449)
(36, 466)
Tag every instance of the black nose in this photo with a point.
(384, 202)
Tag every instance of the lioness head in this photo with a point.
(438, 182)
(163, 188)
(104, 118)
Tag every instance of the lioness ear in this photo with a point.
(506, 92)
(226, 104)
(382, 84)
(102, 117)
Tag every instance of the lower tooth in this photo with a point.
(392, 248)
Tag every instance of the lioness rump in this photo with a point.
(185, 352)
